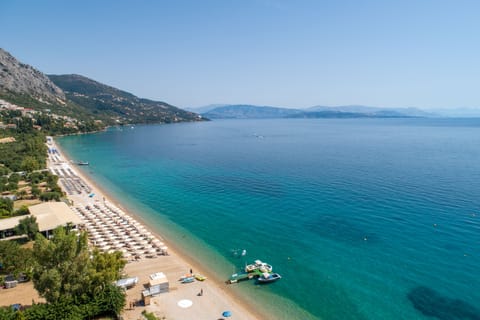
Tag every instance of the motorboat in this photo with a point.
(268, 277)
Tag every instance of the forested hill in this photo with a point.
(126, 107)
(87, 104)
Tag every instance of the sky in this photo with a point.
(405, 53)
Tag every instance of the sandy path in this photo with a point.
(23, 293)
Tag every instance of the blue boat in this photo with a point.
(188, 279)
(268, 277)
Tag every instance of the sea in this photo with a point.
(363, 218)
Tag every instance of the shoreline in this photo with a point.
(216, 288)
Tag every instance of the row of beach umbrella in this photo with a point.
(110, 229)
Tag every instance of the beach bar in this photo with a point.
(157, 284)
(49, 215)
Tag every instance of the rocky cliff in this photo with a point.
(21, 78)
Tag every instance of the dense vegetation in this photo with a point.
(77, 283)
(29, 151)
(28, 226)
(15, 260)
(84, 120)
(23, 171)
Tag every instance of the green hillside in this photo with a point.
(119, 106)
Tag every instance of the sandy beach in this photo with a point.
(110, 227)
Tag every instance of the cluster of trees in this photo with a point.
(52, 190)
(28, 226)
(24, 159)
(15, 259)
(6, 207)
(8, 182)
(28, 152)
(77, 283)
(7, 210)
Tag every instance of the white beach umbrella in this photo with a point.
(152, 251)
(136, 236)
(157, 242)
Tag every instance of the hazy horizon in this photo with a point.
(453, 111)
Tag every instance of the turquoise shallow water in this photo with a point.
(364, 219)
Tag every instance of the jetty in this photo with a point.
(240, 276)
(257, 270)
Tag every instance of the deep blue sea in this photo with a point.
(363, 218)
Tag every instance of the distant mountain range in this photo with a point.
(87, 100)
(376, 111)
(80, 97)
(242, 111)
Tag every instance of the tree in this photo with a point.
(107, 268)
(22, 211)
(36, 177)
(108, 302)
(47, 196)
(3, 170)
(15, 259)
(35, 191)
(14, 178)
(62, 266)
(111, 299)
(67, 271)
(29, 164)
(7, 313)
(6, 206)
(28, 226)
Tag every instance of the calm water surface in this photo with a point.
(364, 219)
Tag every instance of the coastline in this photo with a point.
(179, 262)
